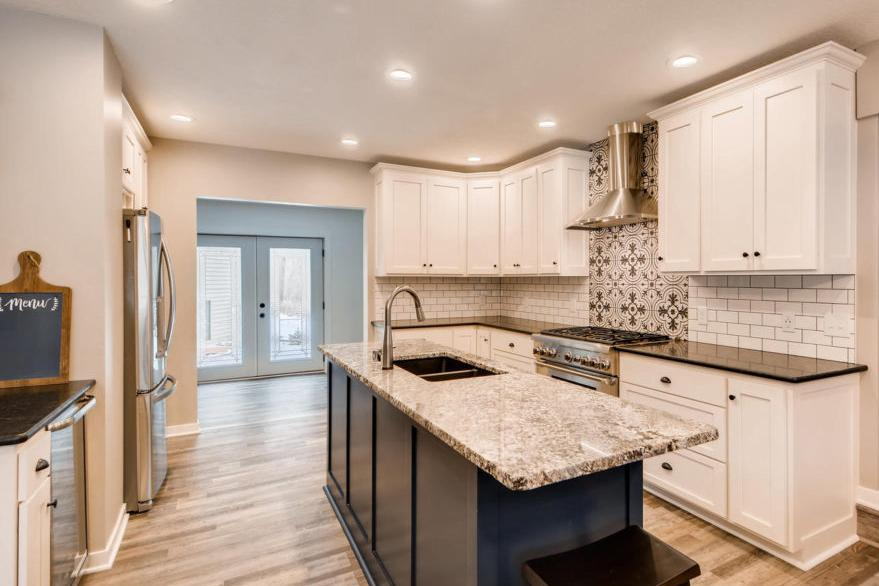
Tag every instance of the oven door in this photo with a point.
(597, 382)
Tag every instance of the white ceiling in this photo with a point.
(297, 75)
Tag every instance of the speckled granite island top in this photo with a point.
(525, 430)
(783, 367)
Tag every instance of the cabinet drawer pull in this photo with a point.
(555, 262)
(665, 380)
(53, 503)
(667, 466)
(732, 397)
(42, 464)
(756, 253)
(512, 345)
(745, 255)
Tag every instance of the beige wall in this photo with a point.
(60, 154)
(180, 172)
(867, 282)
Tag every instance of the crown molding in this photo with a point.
(829, 52)
(483, 174)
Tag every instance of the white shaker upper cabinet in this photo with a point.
(679, 203)
(402, 213)
(519, 223)
(483, 227)
(728, 183)
(561, 183)
(778, 163)
(787, 171)
(550, 217)
(446, 226)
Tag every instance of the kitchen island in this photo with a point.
(461, 481)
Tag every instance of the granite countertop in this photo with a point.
(525, 430)
(26, 410)
(513, 324)
(782, 367)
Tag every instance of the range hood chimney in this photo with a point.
(625, 202)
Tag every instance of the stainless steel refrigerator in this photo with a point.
(149, 325)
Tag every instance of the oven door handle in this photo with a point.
(606, 380)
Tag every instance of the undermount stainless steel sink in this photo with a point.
(440, 368)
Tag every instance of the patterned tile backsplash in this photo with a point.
(750, 312)
(626, 290)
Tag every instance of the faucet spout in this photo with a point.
(388, 342)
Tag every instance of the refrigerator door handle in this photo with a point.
(165, 390)
(165, 341)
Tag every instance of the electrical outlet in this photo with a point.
(787, 322)
(702, 315)
(836, 324)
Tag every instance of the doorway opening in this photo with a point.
(260, 306)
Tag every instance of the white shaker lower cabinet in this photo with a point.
(34, 537)
(777, 162)
(783, 474)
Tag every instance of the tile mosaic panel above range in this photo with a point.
(808, 315)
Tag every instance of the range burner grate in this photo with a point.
(604, 335)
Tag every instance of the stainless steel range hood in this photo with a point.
(625, 202)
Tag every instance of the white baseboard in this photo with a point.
(102, 559)
(868, 498)
(182, 429)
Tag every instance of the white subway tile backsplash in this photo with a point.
(749, 313)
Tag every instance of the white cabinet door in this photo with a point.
(403, 231)
(511, 225)
(483, 227)
(786, 171)
(728, 183)
(34, 526)
(464, 338)
(143, 184)
(483, 342)
(129, 159)
(446, 226)
(530, 223)
(679, 192)
(758, 464)
(550, 219)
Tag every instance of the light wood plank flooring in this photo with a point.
(243, 505)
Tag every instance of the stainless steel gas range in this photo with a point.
(586, 355)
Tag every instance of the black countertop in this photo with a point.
(782, 367)
(26, 410)
(523, 326)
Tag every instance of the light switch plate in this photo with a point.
(702, 315)
(836, 324)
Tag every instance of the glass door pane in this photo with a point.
(290, 284)
(226, 276)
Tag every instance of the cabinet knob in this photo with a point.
(262, 305)
(732, 397)
(756, 253)
(745, 255)
(512, 345)
(430, 265)
(665, 380)
(42, 464)
(555, 262)
(659, 258)
(127, 171)
(424, 265)
(667, 466)
(52, 503)
(495, 266)
(262, 315)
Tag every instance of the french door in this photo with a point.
(260, 306)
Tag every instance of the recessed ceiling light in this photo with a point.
(350, 141)
(181, 118)
(684, 61)
(400, 75)
(474, 159)
(546, 124)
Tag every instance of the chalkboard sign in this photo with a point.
(34, 328)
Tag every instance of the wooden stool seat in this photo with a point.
(631, 557)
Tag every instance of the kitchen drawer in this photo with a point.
(691, 477)
(30, 453)
(513, 361)
(512, 342)
(701, 412)
(691, 382)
